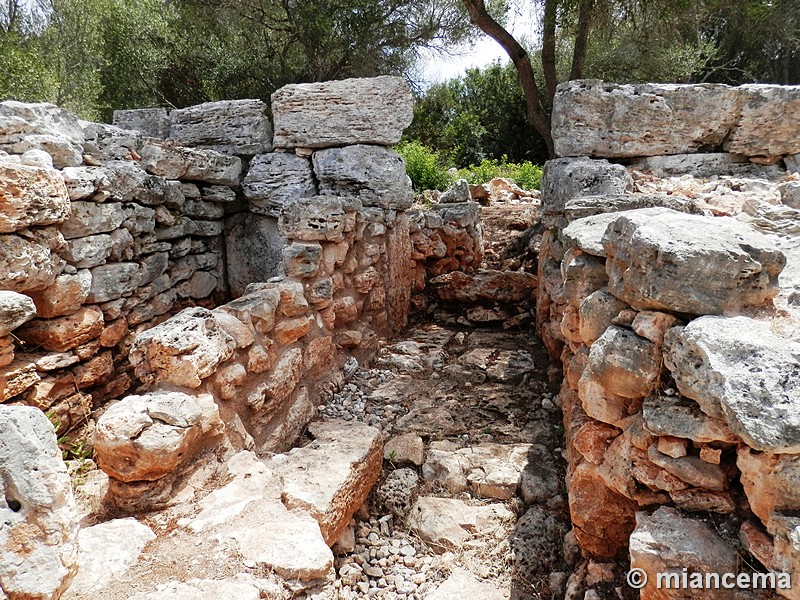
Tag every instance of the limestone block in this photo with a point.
(331, 477)
(228, 126)
(183, 350)
(458, 192)
(341, 113)
(486, 284)
(128, 181)
(405, 448)
(253, 247)
(596, 313)
(566, 178)
(31, 196)
(90, 218)
(581, 274)
(785, 530)
(44, 127)
(586, 233)
(701, 165)
(374, 175)
(587, 206)
(63, 333)
(463, 584)
(138, 219)
(283, 379)
(39, 536)
(152, 122)
(447, 523)
(653, 325)
(593, 118)
(668, 542)
(767, 123)
(200, 285)
(64, 297)
(90, 251)
(15, 310)
(277, 179)
(736, 369)
(681, 417)
(256, 309)
(691, 469)
(94, 371)
(318, 218)
(176, 162)
(144, 438)
(771, 482)
(106, 142)
(113, 280)
(697, 273)
(30, 261)
(17, 377)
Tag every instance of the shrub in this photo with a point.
(525, 174)
(424, 167)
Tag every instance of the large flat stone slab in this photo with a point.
(227, 126)
(664, 260)
(341, 113)
(736, 369)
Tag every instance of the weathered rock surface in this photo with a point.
(176, 162)
(711, 360)
(566, 178)
(182, 351)
(321, 218)
(42, 127)
(681, 417)
(486, 284)
(90, 218)
(593, 118)
(200, 589)
(664, 260)
(39, 536)
(338, 470)
(462, 584)
(228, 126)
(64, 333)
(448, 523)
(15, 309)
(30, 261)
(152, 122)
(66, 296)
(107, 551)
(374, 175)
(113, 281)
(340, 113)
(771, 482)
(668, 542)
(596, 313)
(144, 438)
(277, 179)
(31, 196)
(253, 244)
(766, 122)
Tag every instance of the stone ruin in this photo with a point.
(186, 288)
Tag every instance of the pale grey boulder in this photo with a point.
(15, 309)
(664, 260)
(176, 162)
(152, 122)
(374, 175)
(594, 118)
(567, 178)
(277, 179)
(31, 196)
(737, 370)
(106, 142)
(31, 261)
(113, 280)
(341, 113)
(39, 535)
(229, 126)
(768, 122)
(41, 126)
(90, 218)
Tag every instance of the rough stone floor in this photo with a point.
(478, 402)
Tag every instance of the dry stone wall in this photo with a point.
(669, 291)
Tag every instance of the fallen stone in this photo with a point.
(668, 542)
(712, 361)
(107, 551)
(15, 310)
(30, 262)
(333, 489)
(64, 333)
(229, 126)
(372, 174)
(39, 536)
(176, 162)
(398, 491)
(594, 118)
(699, 274)
(458, 192)
(144, 438)
(447, 523)
(405, 448)
(342, 113)
(277, 179)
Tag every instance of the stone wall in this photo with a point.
(669, 289)
(104, 232)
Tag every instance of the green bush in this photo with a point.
(525, 174)
(424, 167)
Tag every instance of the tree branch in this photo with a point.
(585, 9)
(549, 47)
